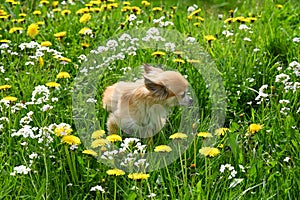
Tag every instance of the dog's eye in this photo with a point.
(183, 94)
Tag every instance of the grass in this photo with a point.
(259, 54)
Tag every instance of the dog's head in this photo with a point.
(168, 86)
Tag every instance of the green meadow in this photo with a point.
(239, 140)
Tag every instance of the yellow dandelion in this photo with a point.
(5, 41)
(177, 60)
(136, 10)
(15, 29)
(90, 152)
(158, 53)
(197, 24)
(4, 87)
(229, 20)
(279, 6)
(22, 15)
(99, 142)
(98, 134)
(44, 2)
(66, 12)
(62, 131)
(46, 44)
(55, 4)
(53, 84)
(145, 3)
(114, 138)
(157, 9)
(56, 10)
(221, 131)
(208, 151)
(85, 18)
(10, 98)
(209, 38)
(82, 11)
(71, 140)
(115, 172)
(254, 128)
(162, 148)
(41, 61)
(63, 75)
(204, 134)
(199, 18)
(138, 176)
(85, 30)
(37, 12)
(65, 59)
(178, 136)
(60, 34)
(85, 45)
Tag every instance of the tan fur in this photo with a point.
(140, 107)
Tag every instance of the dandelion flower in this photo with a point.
(279, 6)
(145, 3)
(15, 29)
(162, 148)
(177, 60)
(178, 136)
(90, 152)
(208, 151)
(253, 128)
(33, 30)
(98, 134)
(204, 134)
(158, 53)
(209, 38)
(65, 59)
(62, 130)
(85, 31)
(10, 98)
(114, 138)
(37, 12)
(41, 61)
(65, 12)
(63, 75)
(46, 44)
(99, 142)
(85, 18)
(4, 87)
(60, 34)
(5, 41)
(157, 9)
(53, 84)
(138, 176)
(115, 172)
(221, 131)
(71, 139)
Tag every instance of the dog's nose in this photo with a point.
(190, 101)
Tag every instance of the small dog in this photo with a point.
(141, 107)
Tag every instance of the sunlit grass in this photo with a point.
(255, 47)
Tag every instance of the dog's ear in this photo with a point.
(148, 69)
(158, 90)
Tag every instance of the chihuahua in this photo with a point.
(141, 107)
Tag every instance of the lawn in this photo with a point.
(239, 139)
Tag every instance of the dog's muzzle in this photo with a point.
(187, 101)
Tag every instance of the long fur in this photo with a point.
(140, 108)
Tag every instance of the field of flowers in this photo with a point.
(57, 57)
